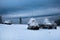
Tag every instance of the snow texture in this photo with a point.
(7, 21)
(20, 32)
(46, 21)
(33, 22)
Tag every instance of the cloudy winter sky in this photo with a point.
(27, 7)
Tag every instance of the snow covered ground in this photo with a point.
(20, 32)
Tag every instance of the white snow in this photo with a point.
(7, 21)
(33, 22)
(20, 32)
(46, 21)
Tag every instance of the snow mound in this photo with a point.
(33, 22)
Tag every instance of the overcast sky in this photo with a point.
(18, 7)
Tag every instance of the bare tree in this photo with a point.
(1, 19)
(20, 20)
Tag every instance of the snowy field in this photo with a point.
(20, 32)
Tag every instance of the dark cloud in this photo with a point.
(22, 5)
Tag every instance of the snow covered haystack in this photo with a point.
(48, 24)
(7, 22)
(33, 24)
(46, 21)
